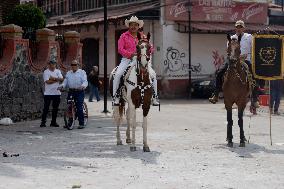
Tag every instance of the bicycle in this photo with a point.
(70, 114)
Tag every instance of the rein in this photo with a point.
(234, 62)
(142, 70)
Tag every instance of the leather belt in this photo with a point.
(75, 90)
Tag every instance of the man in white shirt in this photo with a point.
(245, 45)
(52, 77)
(76, 81)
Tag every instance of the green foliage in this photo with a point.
(28, 16)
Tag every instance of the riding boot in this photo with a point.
(215, 97)
(254, 101)
(219, 83)
(155, 100)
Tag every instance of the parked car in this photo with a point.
(202, 87)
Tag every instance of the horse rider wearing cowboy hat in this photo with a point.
(127, 48)
(245, 45)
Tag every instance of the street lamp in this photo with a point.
(189, 4)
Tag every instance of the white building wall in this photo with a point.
(205, 48)
(157, 41)
(175, 55)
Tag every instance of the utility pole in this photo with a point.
(189, 49)
(105, 57)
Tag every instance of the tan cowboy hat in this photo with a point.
(75, 62)
(240, 23)
(135, 20)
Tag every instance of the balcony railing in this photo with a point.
(62, 7)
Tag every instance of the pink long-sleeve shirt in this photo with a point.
(127, 45)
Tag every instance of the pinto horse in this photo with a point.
(235, 88)
(136, 91)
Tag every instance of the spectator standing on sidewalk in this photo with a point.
(52, 78)
(94, 82)
(276, 87)
(76, 81)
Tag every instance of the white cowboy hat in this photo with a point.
(134, 19)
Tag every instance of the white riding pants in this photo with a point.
(122, 67)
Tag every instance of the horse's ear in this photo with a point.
(148, 36)
(239, 38)
(139, 36)
(229, 37)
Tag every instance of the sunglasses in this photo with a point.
(74, 64)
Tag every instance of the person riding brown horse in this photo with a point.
(245, 48)
(236, 87)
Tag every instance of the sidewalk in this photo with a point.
(188, 150)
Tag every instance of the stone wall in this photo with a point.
(21, 82)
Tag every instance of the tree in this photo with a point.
(28, 16)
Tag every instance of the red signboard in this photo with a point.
(216, 11)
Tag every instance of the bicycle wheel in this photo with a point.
(85, 111)
(69, 117)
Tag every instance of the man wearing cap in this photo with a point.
(76, 81)
(52, 77)
(245, 45)
(127, 48)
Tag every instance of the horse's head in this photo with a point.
(143, 49)
(234, 48)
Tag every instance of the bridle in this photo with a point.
(141, 45)
(142, 69)
(233, 61)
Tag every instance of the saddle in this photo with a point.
(124, 78)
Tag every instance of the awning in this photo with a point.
(88, 17)
(227, 27)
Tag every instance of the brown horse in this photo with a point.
(235, 88)
(137, 92)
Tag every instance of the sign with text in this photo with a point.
(216, 11)
(267, 57)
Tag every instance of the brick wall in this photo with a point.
(6, 6)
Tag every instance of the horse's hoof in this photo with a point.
(128, 140)
(119, 142)
(242, 144)
(132, 148)
(230, 144)
(146, 149)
